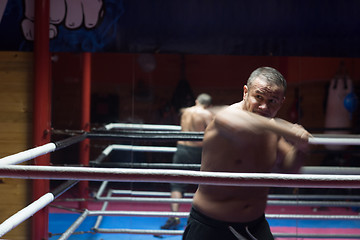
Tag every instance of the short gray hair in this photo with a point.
(270, 74)
(204, 99)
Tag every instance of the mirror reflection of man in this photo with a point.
(245, 137)
(193, 119)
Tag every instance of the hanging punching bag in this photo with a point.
(183, 95)
(337, 115)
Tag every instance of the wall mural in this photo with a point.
(84, 25)
(231, 27)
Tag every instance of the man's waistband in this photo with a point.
(196, 214)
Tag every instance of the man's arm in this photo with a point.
(293, 149)
(289, 158)
(293, 138)
(234, 121)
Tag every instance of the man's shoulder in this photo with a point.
(237, 105)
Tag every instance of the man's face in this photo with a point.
(263, 98)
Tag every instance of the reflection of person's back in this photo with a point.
(193, 119)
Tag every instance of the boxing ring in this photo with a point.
(310, 177)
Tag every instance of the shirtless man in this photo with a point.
(193, 119)
(245, 137)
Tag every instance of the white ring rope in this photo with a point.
(180, 232)
(271, 196)
(181, 176)
(103, 208)
(112, 147)
(142, 126)
(25, 213)
(335, 141)
(74, 226)
(139, 213)
(146, 193)
(50, 147)
(147, 200)
(40, 150)
(28, 154)
(186, 214)
(139, 231)
(190, 195)
(317, 139)
(331, 170)
(269, 202)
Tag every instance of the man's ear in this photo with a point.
(245, 91)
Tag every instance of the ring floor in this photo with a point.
(61, 220)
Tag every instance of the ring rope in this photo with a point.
(334, 141)
(103, 208)
(303, 170)
(331, 170)
(145, 193)
(50, 147)
(270, 196)
(141, 126)
(198, 136)
(181, 176)
(138, 148)
(186, 214)
(146, 165)
(34, 207)
(25, 213)
(28, 154)
(269, 202)
(307, 196)
(139, 231)
(41, 150)
(294, 202)
(74, 226)
(146, 200)
(180, 232)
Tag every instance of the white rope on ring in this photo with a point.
(186, 214)
(180, 232)
(269, 202)
(25, 213)
(324, 139)
(334, 141)
(138, 231)
(74, 226)
(142, 126)
(138, 148)
(270, 196)
(50, 147)
(181, 176)
(146, 200)
(28, 154)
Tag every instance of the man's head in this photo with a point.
(264, 93)
(204, 99)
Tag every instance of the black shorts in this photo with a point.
(200, 226)
(185, 155)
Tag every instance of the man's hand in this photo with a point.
(294, 133)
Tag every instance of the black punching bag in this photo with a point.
(183, 95)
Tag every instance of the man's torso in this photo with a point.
(220, 154)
